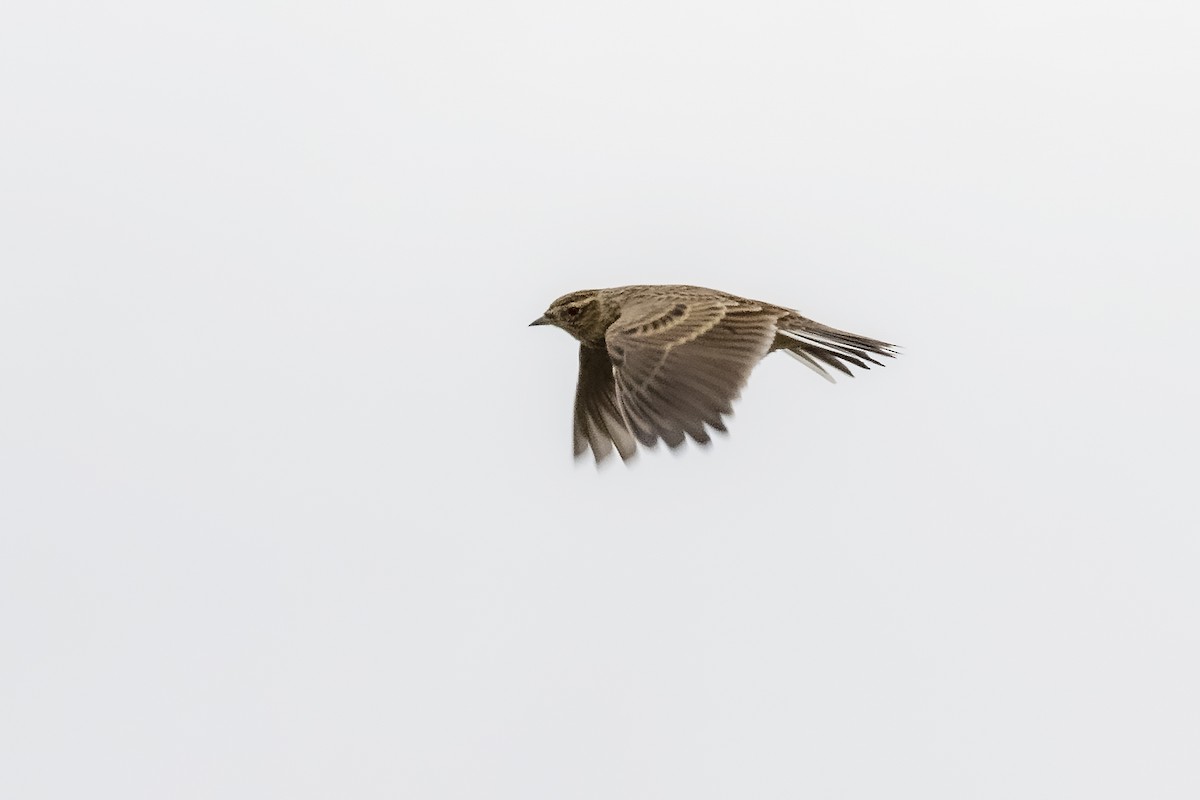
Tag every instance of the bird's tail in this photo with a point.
(817, 346)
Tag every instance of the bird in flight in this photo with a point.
(664, 362)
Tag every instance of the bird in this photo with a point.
(666, 362)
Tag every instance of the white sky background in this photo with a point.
(288, 508)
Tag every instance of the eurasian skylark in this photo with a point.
(662, 362)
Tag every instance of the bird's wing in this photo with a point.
(598, 421)
(679, 363)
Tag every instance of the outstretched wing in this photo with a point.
(680, 365)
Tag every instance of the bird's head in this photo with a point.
(580, 314)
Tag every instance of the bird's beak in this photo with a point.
(540, 321)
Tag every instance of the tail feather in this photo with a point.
(816, 346)
(807, 360)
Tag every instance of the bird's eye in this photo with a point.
(572, 311)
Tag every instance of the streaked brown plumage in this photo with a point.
(664, 362)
